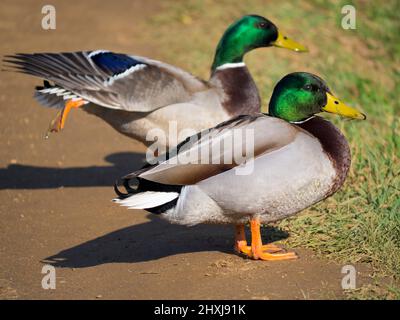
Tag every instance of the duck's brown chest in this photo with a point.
(238, 89)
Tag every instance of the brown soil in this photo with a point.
(55, 194)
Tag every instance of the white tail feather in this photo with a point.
(148, 199)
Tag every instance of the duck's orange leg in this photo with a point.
(242, 247)
(240, 240)
(257, 247)
(58, 122)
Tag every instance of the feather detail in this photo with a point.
(110, 80)
(51, 96)
(113, 63)
(148, 199)
(126, 73)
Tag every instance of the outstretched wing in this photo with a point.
(111, 80)
(219, 149)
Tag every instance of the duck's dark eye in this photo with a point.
(311, 87)
(262, 25)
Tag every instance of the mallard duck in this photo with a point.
(136, 94)
(297, 159)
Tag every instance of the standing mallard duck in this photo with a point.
(299, 159)
(136, 94)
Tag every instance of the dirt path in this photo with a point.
(55, 194)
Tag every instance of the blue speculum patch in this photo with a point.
(114, 62)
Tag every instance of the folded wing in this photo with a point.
(224, 147)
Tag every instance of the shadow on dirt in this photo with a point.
(152, 240)
(18, 176)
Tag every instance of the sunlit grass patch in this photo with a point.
(361, 223)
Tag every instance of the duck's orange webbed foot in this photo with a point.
(257, 250)
(58, 123)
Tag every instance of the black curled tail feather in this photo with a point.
(146, 185)
(143, 185)
(129, 190)
(120, 194)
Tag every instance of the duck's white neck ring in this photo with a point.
(231, 65)
(302, 121)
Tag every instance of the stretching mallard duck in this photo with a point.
(298, 159)
(136, 94)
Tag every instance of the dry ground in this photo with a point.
(55, 194)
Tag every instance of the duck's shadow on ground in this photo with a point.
(151, 240)
(19, 176)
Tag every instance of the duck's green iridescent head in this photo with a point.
(248, 33)
(300, 95)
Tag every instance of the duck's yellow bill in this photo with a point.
(334, 105)
(284, 42)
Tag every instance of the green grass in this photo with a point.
(361, 223)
